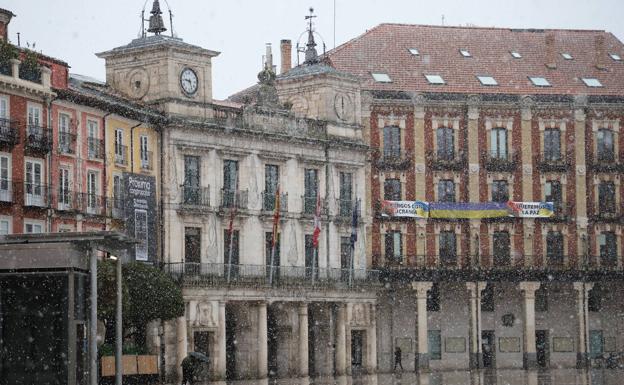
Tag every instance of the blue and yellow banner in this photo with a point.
(466, 210)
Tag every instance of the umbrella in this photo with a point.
(199, 356)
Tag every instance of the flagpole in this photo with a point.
(232, 213)
(353, 240)
(275, 234)
(314, 257)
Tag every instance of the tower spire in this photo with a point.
(156, 23)
(311, 56)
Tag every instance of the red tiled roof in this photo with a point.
(385, 48)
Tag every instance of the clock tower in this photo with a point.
(161, 70)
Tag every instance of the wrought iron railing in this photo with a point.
(392, 160)
(233, 199)
(195, 196)
(67, 143)
(500, 162)
(92, 204)
(36, 194)
(553, 162)
(269, 201)
(147, 160)
(452, 161)
(9, 132)
(95, 148)
(121, 155)
(208, 274)
(38, 138)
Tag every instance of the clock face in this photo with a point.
(138, 82)
(188, 81)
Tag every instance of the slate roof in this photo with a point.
(385, 49)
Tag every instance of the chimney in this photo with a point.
(286, 55)
(5, 19)
(600, 52)
(551, 55)
(268, 58)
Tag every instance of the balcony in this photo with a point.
(147, 160)
(233, 199)
(35, 195)
(447, 162)
(121, 155)
(608, 214)
(9, 133)
(268, 202)
(7, 191)
(95, 148)
(606, 162)
(115, 207)
(65, 200)
(258, 276)
(195, 198)
(92, 204)
(500, 163)
(392, 160)
(38, 139)
(67, 143)
(552, 163)
(344, 208)
(309, 205)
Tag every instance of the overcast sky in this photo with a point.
(73, 30)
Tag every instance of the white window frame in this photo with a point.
(435, 79)
(119, 155)
(516, 55)
(414, 51)
(33, 223)
(381, 77)
(118, 205)
(487, 80)
(144, 151)
(92, 191)
(5, 110)
(65, 183)
(567, 56)
(64, 124)
(465, 53)
(592, 82)
(34, 114)
(33, 198)
(7, 222)
(6, 184)
(539, 81)
(615, 56)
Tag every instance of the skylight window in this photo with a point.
(487, 80)
(566, 56)
(381, 77)
(516, 55)
(414, 51)
(435, 79)
(592, 82)
(615, 57)
(539, 81)
(465, 53)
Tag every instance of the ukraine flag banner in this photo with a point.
(531, 209)
(410, 209)
(479, 210)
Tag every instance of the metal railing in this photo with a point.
(212, 274)
(607, 214)
(115, 207)
(553, 163)
(147, 160)
(65, 200)
(345, 208)
(309, 205)
(500, 162)
(92, 204)
(9, 132)
(35, 194)
(603, 162)
(440, 161)
(6, 191)
(195, 196)
(38, 138)
(67, 143)
(268, 201)
(95, 148)
(233, 199)
(392, 160)
(121, 155)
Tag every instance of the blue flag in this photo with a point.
(354, 222)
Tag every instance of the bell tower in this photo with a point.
(162, 70)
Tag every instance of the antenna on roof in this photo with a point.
(334, 25)
(443, 20)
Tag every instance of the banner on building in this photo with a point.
(466, 210)
(140, 213)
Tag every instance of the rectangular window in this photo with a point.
(234, 246)
(120, 149)
(552, 144)
(33, 183)
(553, 193)
(310, 190)
(596, 344)
(192, 245)
(594, 299)
(346, 194)
(392, 142)
(435, 79)
(607, 244)
(5, 226)
(191, 193)
(446, 143)
(65, 139)
(433, 298)
(117, 195)
(500, 191)
(605, 145)
(541, 300)
(448, 248)
(498, 143)
(487, 298)
(392, 190)
(501, 248)
(539, 81)
(64, 193)
(140, 235)
(268, 249)
(33, 228)
(144, 152)
(592, 82)
(94, 147)
(381, 77)
(435, 344)
(554, 248)
(271, 180)
(345, 258)
(6, 190)
(311, 260)
(606, 197)
(92, 192)
(34, 116)
(446, 190)
(230, 175)
(4, 107)
(487, 80)
(394, 246)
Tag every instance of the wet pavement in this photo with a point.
(499, 377)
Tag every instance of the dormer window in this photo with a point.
(414, 51)
(465, 53)
(615, 57)
(539, 81)
(515, 55)
(487, 80)
(592, 82)
(381, 77)
(566, 56)
(435, 79)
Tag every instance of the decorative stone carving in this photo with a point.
(473, 168)
(581, 170)
(527, 169)
(360, 314)
(420, 168)
(527, 102)
(204, 315)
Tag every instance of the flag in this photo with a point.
(276, 218)
(317, 221)
(354, 223)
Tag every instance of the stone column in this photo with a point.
(181, 342)
(341, 341)
(476, 355)
(530, 351)
(262, 340)
(422, 348)
(371, 336)
(582, 354)
(220, 363)
(303, 339)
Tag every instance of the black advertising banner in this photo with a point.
(140, 215)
